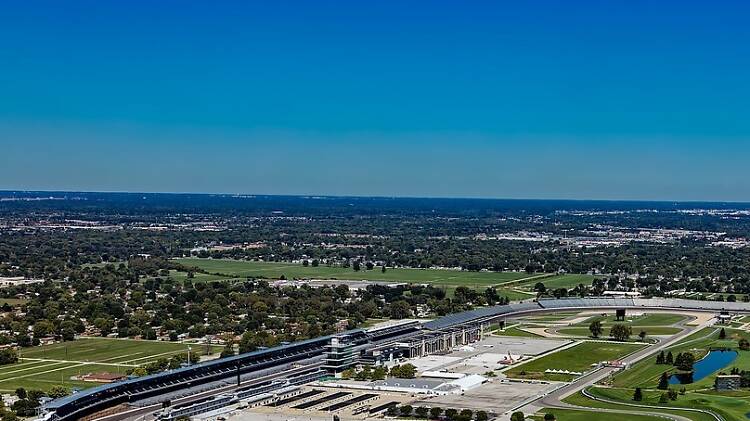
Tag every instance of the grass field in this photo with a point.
(578, 415)
(652, 324)
(576, 358)
(448, 279)
(730, 407)
(514, 331)
(646, 373)
(549, 317)
(579, 399)
(651, 330)
(650, 319)
(12, 301)
(271, 270)
(52, 365)
(558, 281)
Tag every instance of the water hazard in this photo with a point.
(714, 361)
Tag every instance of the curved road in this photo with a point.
(554, 399)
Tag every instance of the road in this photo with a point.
(554, 399)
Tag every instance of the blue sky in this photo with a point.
(542, 99)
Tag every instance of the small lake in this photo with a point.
(714, 361)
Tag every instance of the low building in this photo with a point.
(726, 382)
(6, 282)
(101, 377)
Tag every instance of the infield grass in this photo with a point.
(576, 358)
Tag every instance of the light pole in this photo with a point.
(188, 361)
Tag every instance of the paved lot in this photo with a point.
(485, 355)
(497, 397)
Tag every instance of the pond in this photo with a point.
(714, 361)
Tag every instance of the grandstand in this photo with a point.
(394, 340)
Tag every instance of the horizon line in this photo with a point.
(379, 196)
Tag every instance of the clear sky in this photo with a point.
(512, 99)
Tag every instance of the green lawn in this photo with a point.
(124, 351)
(271, 270)
(646, 373)
(514, 331)
(649, 319)
(577, 358)
(51, 365)
(549, 317)
(567, 281)
(655, 330)
(12, 301)
(731, 407)
(651, 323)
(580, 415)
(200, 277)
(579, 399)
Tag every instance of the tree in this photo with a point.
(481, 416)
(660, 358)
(621, 332)
(379, 373)
(663, 381)
(672, 394)
(150, 334)
(43, 328)
(685, 361)
(670, 358)
(8, 356)
(9, 416)
(406, 371)
(722, 334)
(596, 328)
(363, 375)
(517, 416)
(638, 394)
(104, 325)
(451, 413)
(422, 411)
(406, 410)
(744, 344)
(21, 393)
(139, 371)
(466, 414)
(382, 269)
(348, 373)
(663, 398)
(58, 392)
(435, 412)
(642, 335)
(400, 309)
(540, 288)
(356, 266)
(549, 417)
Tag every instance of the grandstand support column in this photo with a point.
(238, 374)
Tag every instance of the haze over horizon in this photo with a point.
(556, 100)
